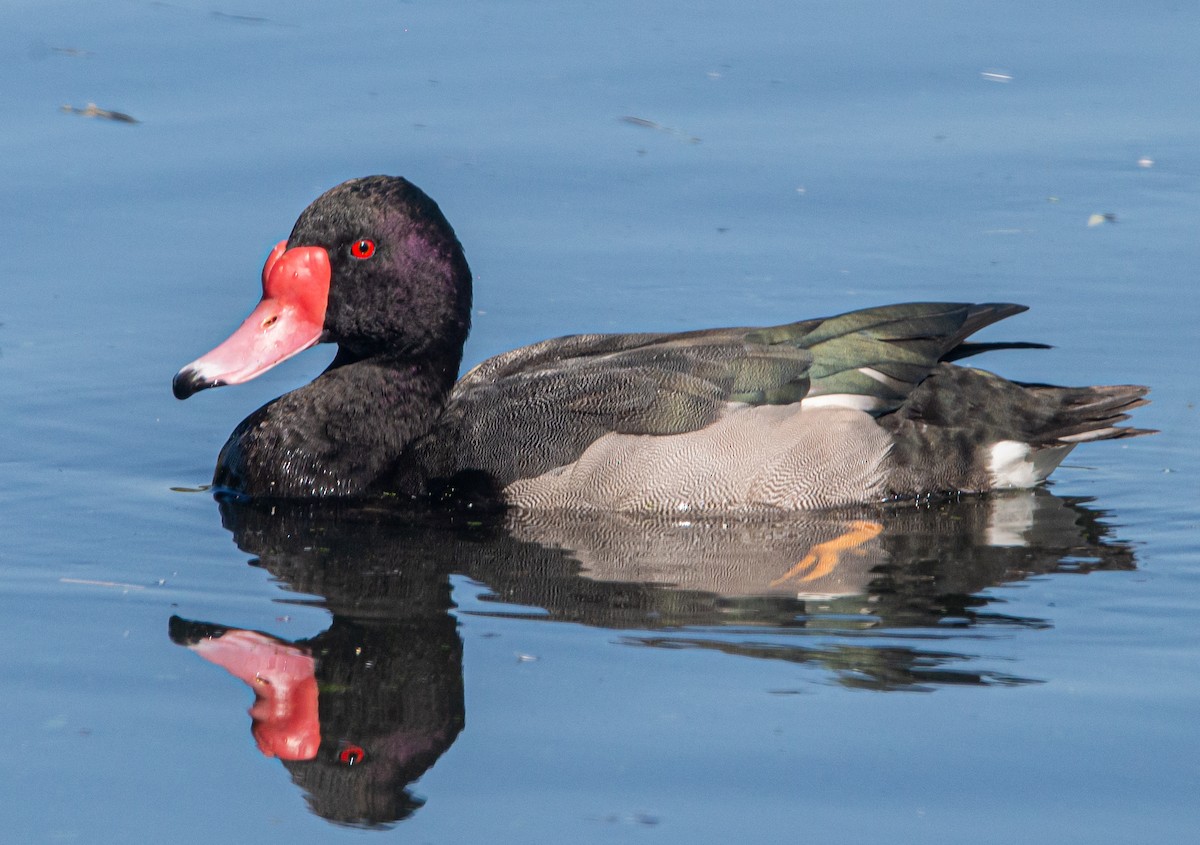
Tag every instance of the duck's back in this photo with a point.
(810, 414)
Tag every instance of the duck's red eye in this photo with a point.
(364, 248)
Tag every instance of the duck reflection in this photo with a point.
(878, 597)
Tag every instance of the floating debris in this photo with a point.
(1101, 219)
(92, 110)
(90, 583)
(658, 127)
(40, 50)
(253, 19)
(646, 819)
(1145, 161)
(996, 75)
(641, 121)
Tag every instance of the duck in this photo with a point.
(863, 407)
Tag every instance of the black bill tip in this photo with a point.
(188, 381)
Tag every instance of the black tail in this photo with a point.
(1084, 414)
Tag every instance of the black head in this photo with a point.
(399, 281)
(371, 265)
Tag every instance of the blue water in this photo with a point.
(1018, 669)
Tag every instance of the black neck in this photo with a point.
(342, 434)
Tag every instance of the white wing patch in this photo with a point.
(895, 384)
(853, 401)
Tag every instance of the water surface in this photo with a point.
(1015, 668)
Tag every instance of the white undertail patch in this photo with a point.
(1012, 464)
